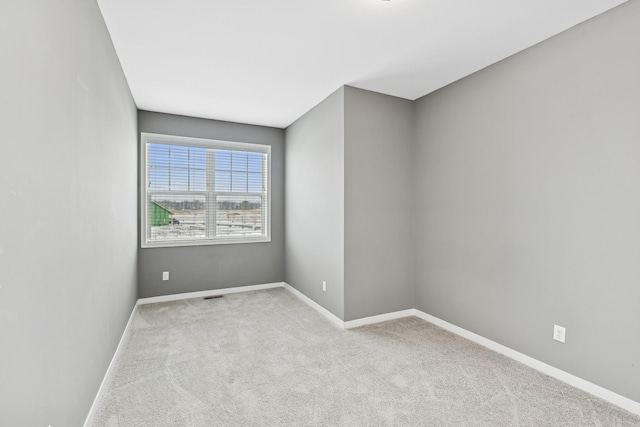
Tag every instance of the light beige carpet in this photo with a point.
(267, 359)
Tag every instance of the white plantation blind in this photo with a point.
(198, 191)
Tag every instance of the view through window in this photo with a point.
(203, 191)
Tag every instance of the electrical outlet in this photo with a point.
(559, 333)
(165, 275)
(324, 286)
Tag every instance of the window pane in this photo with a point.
(158, 155)
(179, 179)
(223, 160)
(198, 180)
(177, 168)
(255, 183)
(223, 181)
(178, 156)
(176, 217)
(239, 216)
(255, 161)
(198, 158)
(159, 178)
(239, 182)
(239, 161)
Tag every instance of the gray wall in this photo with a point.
(378, 204)
(199, 268)
(315, 203)
(528, 201)
(68, 202)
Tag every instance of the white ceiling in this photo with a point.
(268, 62)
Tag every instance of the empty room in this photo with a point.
(319, 213)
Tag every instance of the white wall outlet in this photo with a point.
(324, 286)
(559, 333)
(165, 275)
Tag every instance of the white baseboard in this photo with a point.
(210, 293)
(320, 309)
(350, 324)
(577, 382)
(127, 329)
(379, 318)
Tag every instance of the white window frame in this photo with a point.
(146, 138)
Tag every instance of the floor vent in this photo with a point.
(214, 297)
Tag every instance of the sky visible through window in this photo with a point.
(183, 168)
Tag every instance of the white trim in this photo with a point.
(127, 329)
(161, 138)
(320, 309)
(577, 382)
(210, 293)
(204, 242)
(351, 323)
(379, 318)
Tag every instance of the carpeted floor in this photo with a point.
(267, 359)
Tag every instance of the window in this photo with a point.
(202, 192)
